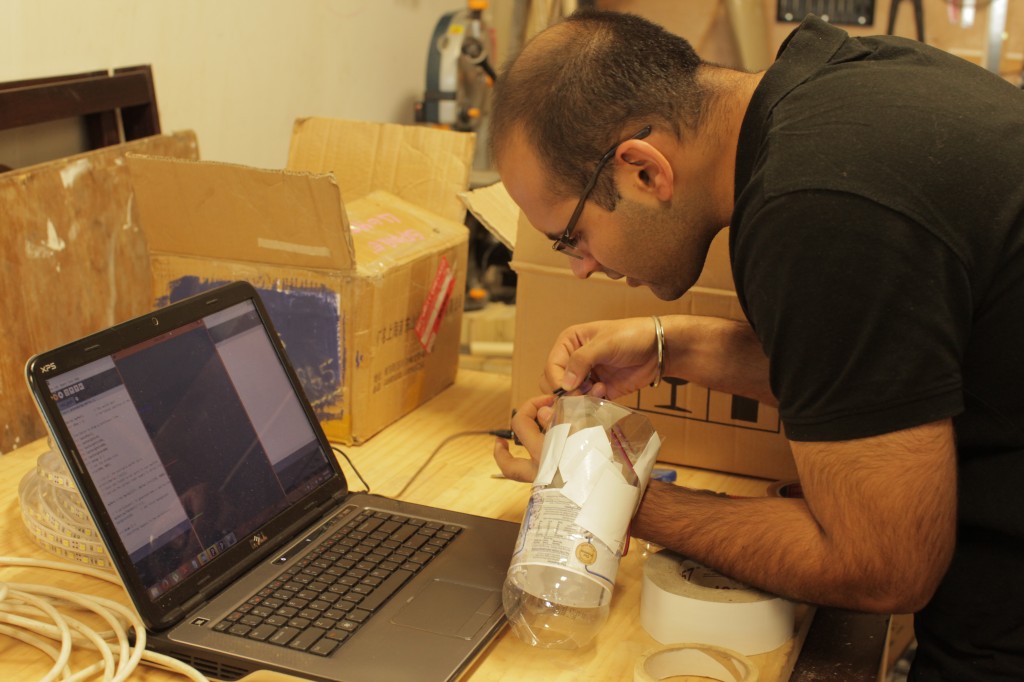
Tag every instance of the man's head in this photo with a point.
(576, 91)
(580, 84)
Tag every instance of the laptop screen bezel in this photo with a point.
(171, 606)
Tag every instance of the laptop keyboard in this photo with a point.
(323, 599)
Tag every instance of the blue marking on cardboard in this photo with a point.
(308, 320)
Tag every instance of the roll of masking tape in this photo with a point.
(694, 660)
(791, 489)
(683, 601)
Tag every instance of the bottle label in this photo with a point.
(551, 536)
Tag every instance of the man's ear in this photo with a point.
(644, 169)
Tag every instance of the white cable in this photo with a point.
(37, 642)
(62, 634)
(88, 635)
(22, 604)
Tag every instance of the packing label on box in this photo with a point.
(436, 305)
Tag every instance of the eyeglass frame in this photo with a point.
(566, 243)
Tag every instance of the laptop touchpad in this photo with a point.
(449, 608)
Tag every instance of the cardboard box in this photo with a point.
(699, 427)
(366, 293)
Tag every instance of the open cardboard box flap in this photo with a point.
(387, 230)
(230, 212)
(425, 166)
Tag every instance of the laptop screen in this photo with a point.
(194, 439)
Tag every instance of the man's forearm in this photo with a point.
(773, 544)
(718, 353)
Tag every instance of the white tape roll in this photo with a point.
(694, 660)
(786, 489)
(682, 601)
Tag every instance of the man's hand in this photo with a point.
(613, 358)
(527, 423)
(606, 359)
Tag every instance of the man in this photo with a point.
(875, 193)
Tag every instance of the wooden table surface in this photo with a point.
(462, 476)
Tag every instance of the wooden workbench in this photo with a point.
(460, 477)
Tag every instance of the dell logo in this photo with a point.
(48, 367)
(256, 540)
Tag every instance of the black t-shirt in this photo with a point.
(878, 252)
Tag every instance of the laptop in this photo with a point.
(229, 520)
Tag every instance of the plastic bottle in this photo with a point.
(596, 461)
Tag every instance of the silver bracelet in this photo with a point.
(659, 333)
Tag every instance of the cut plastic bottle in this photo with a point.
(596, 461)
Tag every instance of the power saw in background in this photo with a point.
(459, 72)
(459, 80)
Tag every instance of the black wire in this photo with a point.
(501, 433)
(353, 466)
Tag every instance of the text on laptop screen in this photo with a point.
(194, 439)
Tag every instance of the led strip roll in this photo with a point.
(53, 512)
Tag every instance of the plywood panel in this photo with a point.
(72, 261)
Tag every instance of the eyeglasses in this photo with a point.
(567, 242)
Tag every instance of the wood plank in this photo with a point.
(140, 120)
(51, 101)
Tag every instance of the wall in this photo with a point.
(238, 72)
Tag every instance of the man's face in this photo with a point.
(652, 244)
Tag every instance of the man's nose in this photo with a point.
(584, 267)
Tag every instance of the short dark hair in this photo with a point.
(577, 93)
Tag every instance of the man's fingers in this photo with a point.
(527, 430)
(515, 468)
(526, 425)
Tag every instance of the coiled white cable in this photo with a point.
(32, 614)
